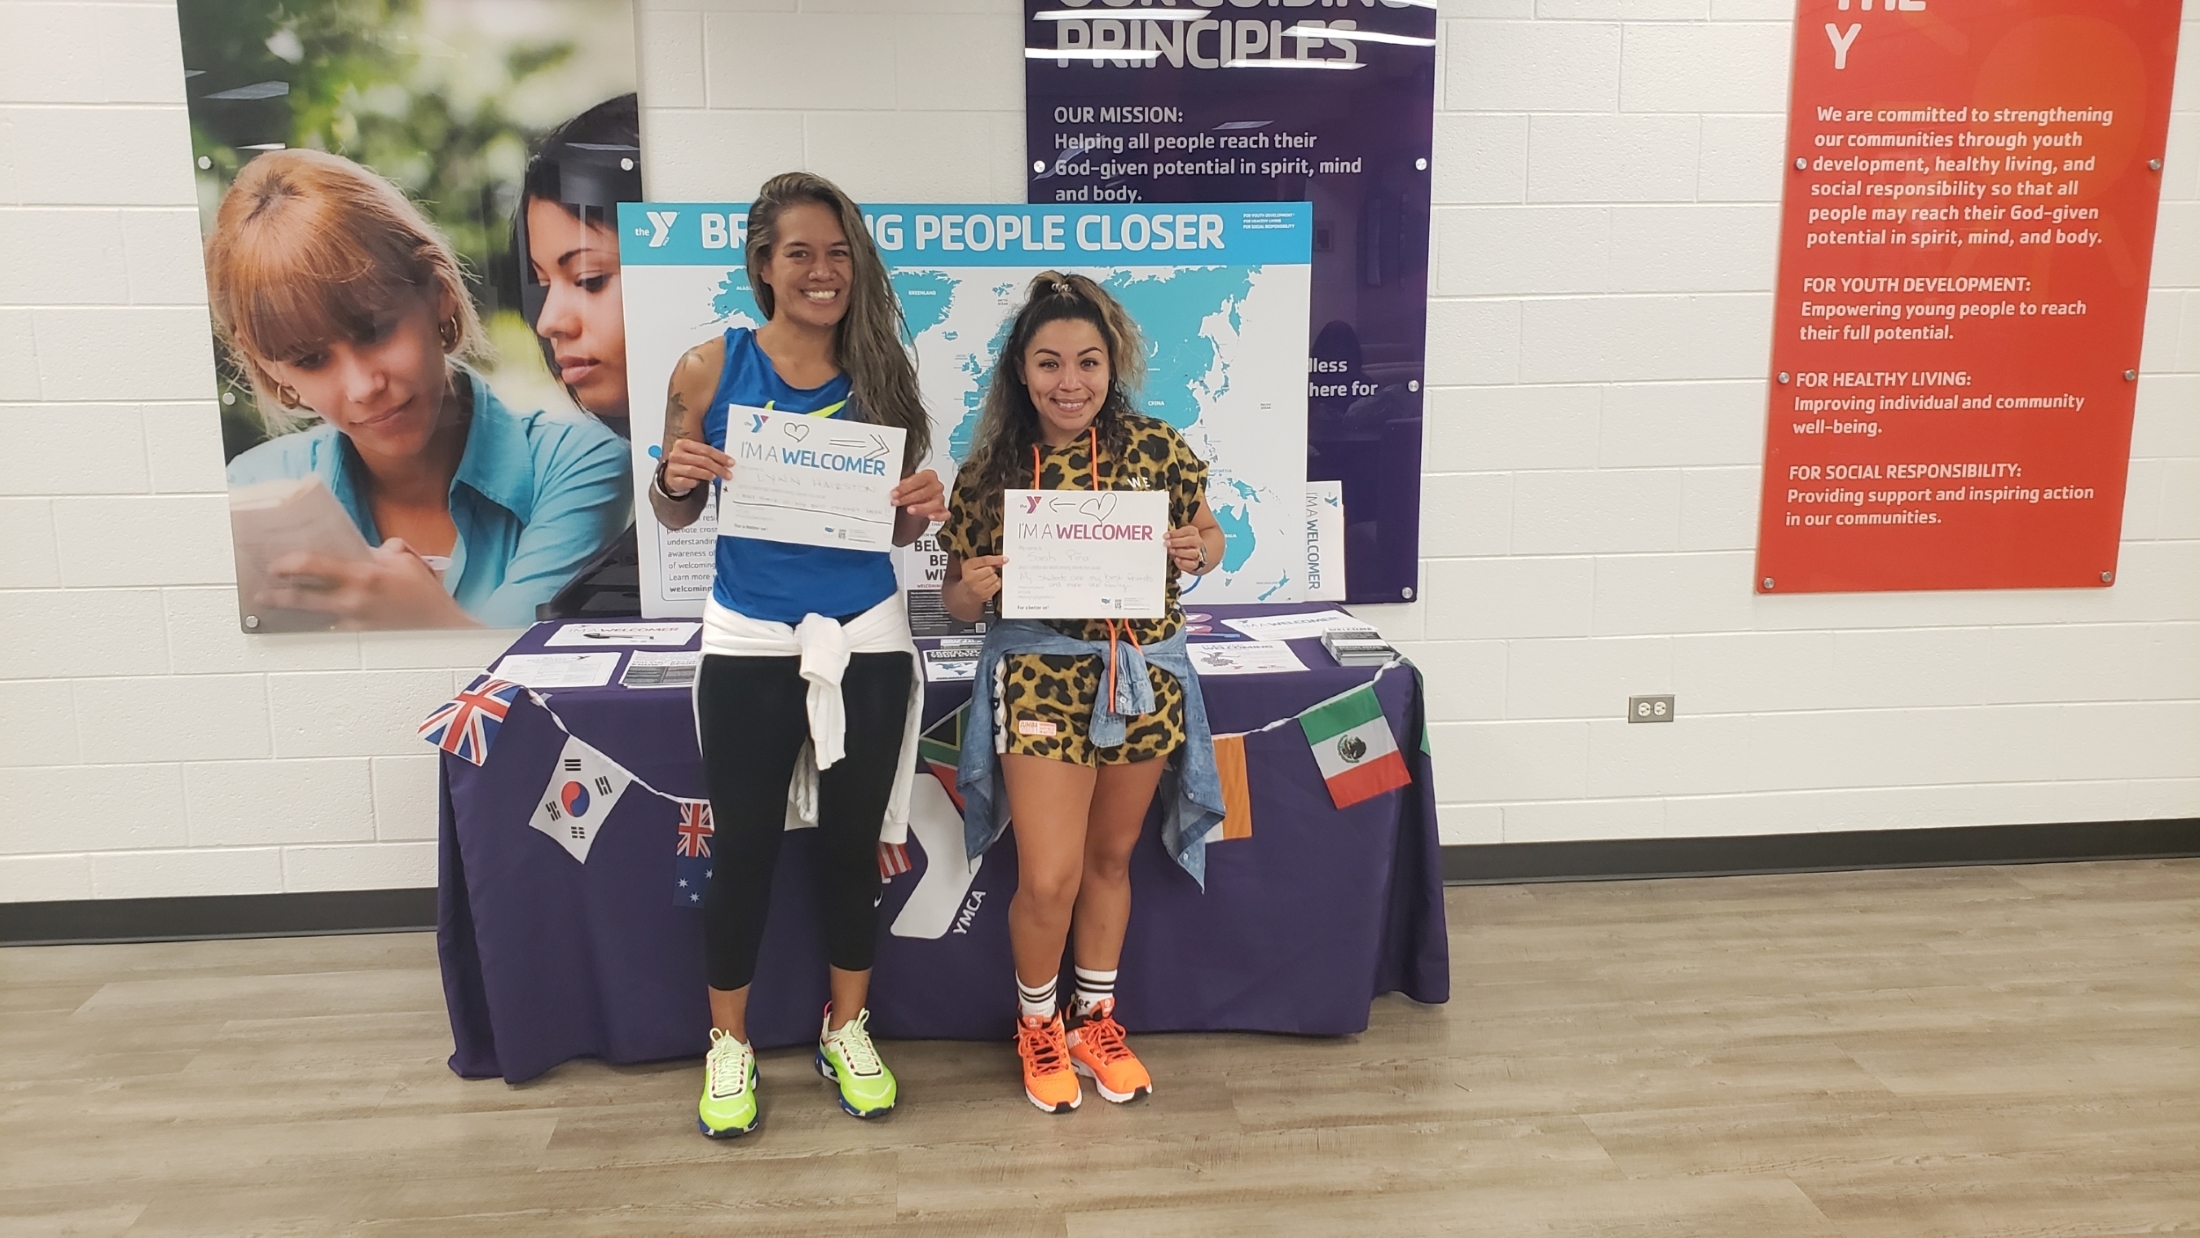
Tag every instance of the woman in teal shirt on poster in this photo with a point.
(341, 301)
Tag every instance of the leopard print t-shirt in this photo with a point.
(1157, 459)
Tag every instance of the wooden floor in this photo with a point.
(2001, 1051)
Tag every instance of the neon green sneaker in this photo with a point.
(848, 1058)
(728, 1107)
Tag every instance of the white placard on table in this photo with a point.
(559, 670)
(811, 481)
(1083, 555)
(1325, 541)
(622, 635)
(1245, 657)
(1294, 626)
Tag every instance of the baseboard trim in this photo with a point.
(215, 916)
(401, 911)
(1951, 847)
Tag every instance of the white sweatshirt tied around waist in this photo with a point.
(824, 645)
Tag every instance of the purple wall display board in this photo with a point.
(1324, 101)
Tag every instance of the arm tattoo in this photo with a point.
(675, 418)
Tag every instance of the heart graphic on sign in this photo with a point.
(1098, 506)
(796, 430)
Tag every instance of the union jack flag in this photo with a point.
(691, 862)
(467, 724)
(695, 830)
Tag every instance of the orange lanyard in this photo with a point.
(1126, 632)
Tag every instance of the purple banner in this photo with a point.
(1323, 101)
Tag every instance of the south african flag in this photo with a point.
(940, 749)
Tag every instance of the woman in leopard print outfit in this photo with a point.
(1058, 416)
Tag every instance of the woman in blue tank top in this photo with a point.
(808, 688)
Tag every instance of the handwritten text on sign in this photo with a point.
(812, 481)
(1077, 555)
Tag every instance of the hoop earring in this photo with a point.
(448, 329)
(287, 396)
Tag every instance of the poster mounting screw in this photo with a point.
(1768, 584)
(1038, 165)
(2131, 376)
(1783, 377)
(1420, 165)
(251, 621)
(2108, 577)
(1406, 593)
(1801, 163)
(2154, 165)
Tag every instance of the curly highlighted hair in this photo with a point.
(1008, 423)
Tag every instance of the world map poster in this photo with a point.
(1220, 291)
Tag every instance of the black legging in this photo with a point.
(753, 718)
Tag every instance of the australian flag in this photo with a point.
(467, 724)
(691, 854)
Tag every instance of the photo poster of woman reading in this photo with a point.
(409, 212)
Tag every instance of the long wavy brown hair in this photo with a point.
(869, 342)
(1008, 423)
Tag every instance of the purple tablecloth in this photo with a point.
(547, 959)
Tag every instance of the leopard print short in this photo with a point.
(1045, 710)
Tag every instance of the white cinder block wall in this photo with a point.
(1606, 185)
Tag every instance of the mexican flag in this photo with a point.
(1353, 746)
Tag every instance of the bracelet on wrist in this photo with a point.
(657, 479)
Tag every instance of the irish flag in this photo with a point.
(1353, 746)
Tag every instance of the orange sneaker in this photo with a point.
(1049, 1081)
(1097, 1051)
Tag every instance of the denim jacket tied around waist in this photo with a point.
(1191, 789)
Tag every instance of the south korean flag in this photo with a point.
(584, 786)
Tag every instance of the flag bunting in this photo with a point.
(467, 724)
(1354, 747)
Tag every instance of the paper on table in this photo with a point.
(632, 635)
(1075, 555)
(661, 670)
(811, 481)
(1250, 657)
(952, 664)
(1293, 627)
(559, 670)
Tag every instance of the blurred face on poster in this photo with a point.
(415, 292)
(566, 237)
(386, 386)
(577, 265)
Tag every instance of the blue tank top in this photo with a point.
(776, 581)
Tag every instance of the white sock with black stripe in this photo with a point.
(1093, 987)
(1036, 1002)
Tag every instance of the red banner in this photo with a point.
(1964, 247)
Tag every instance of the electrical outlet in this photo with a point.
(1650, 708)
